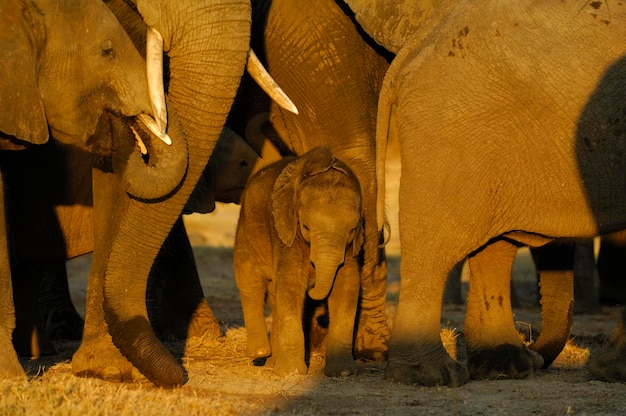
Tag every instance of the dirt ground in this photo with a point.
(222, 380)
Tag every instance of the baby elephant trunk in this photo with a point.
(327, 259)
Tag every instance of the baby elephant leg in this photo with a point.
(288, 344)
(342, 306)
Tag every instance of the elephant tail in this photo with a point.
(412, 52)
(384, 127)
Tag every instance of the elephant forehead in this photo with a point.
(329, 205)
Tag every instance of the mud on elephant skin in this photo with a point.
(337, 97)
(555, 185)
(300, 232)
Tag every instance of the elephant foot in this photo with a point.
(101, 359)
(503, 361)
(372, 336)
(286, 364)
(203, 323)
(340, 367)
(32, 343)
(10, 366)
(431, 371)
(258, 346)
(609, 363)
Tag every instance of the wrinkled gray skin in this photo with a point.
(300, 231)
(48, 86)
(333, 74)
(49, 207)
(117, 330)
(529, 162)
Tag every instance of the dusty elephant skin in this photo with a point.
(333, 73)
(300, 231)
(485, 90)
(36, 96)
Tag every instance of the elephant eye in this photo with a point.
(107, 49)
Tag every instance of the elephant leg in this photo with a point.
(59, 318)
(586, 279)
(176, 304)
(452, 294)
(555, 264)
(494, 347)
(288, 343)
(611, 268)
(342, 306)
(416, 351)
(609, 363)
(372, 331)
(10, 366)
(252, 289)
(97, 356)
(29, 338)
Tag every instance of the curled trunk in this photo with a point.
(160, 170)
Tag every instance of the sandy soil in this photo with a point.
(222, 380)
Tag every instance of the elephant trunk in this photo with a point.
(159, 170)
(327, 258)
(208, 47)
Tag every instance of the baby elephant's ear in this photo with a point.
(357, 244)
(317, 160)
(284, 202)
(22, 113)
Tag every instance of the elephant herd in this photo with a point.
(511, 121)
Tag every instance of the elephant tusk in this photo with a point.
(258, 72)
(151, 125)
(142, 145)
(154, 71)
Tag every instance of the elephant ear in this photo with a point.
(22, 113)
(285, 191)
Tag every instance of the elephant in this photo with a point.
(333, 73)
(535, 150)
(49, 207)
(106, 74)
(300, 232)
(203, 72)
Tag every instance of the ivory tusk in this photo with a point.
(142, 145)
(151, 125)
(258, 72)
(154, 70)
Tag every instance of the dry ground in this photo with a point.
(223, 381)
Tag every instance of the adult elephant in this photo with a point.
(207, 44)
(333, 73)
(105, 75)
(503, 108)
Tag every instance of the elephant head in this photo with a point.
(320, 197)
(226, 175)
(70, 62)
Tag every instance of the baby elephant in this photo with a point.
(300, 230)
